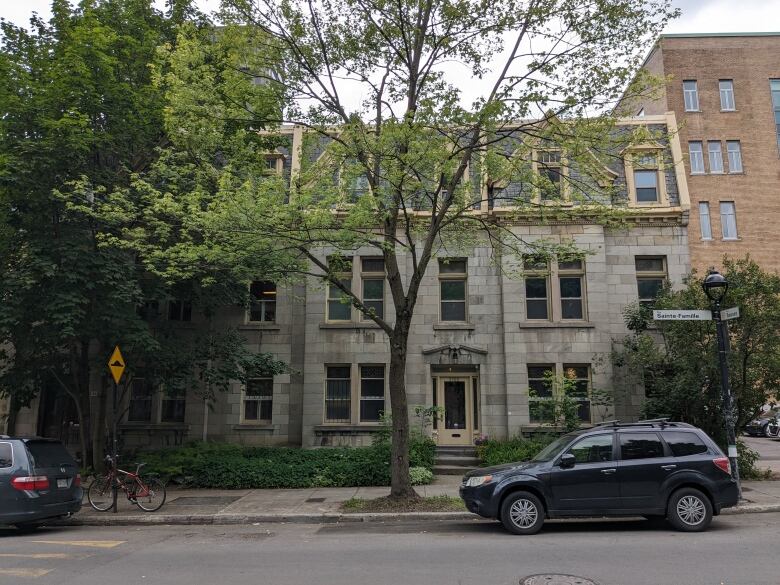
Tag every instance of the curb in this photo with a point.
(327, 518)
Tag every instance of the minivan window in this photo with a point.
(683, 444)
(6, 455)
(640, 446)
(48, 454)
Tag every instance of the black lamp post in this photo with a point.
(715, 287)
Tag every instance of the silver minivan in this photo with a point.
(39, 481)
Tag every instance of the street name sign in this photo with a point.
(116, 363)
(681, 315)
(728, 314)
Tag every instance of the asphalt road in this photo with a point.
(738, 550)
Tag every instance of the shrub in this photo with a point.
(420, 475)
(496, 452)
(746, 459)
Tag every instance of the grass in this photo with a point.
(431, 504)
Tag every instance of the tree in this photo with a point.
(392, 158)
(677, 361)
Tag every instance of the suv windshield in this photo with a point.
(551, 450)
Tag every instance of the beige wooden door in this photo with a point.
(456, 426)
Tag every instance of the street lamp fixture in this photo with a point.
(715, 287)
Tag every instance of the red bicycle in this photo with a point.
(146, 493)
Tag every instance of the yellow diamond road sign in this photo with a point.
(116, 364)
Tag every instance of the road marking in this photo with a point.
(32, 573)
(88, 543)
(42, 556)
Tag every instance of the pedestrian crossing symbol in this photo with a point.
(116, 364)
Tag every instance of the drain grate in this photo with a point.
(315, 500)
(203, 500)
(555, 579)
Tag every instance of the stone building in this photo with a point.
(725, 92)
(481, 341)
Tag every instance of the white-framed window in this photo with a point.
(645, 179)
(571, 282)
(257, 401)
(453, 282)
(541, 408)
(372, 393)
(358, 399)
(372, 275)
(716, 156)
(273, 164)
(696, 154)
(339, 309)
(704, 220)
(734, 151)
(691, 95)
(262, 302)
(580, 386)
(646, 182)
(726, 87)
(543, 390)
(651, 276)
(179, 310)
(537, 290)
(338, 394)
(550, 169)
(728, 220)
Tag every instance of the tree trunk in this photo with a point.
(99, 428)
(400, 482)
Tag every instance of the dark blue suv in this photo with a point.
(39, 481)
(651, 468)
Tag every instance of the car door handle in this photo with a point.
(608, 471)
(668, 467)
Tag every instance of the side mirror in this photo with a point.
(567, 461)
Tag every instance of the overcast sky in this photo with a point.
(700, 16)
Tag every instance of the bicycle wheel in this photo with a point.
(100, 495)
(149, 494)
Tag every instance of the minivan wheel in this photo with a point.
(689, 510)
(522, 513)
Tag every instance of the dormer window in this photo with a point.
(645, 176)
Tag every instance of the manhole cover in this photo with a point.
(550, 579)
(203, 500)
(315, 500)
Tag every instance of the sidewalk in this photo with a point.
(321, 505)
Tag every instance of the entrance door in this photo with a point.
(456, 427)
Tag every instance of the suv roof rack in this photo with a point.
(652, 422)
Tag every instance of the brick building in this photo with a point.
(481, 341)
(725, 92)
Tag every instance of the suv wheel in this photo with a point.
(689, 510)
(522, 513)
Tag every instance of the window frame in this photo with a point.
(355, 385)
(774, 101)
(738, 151)
(165, 397)
(715, 155)
(728, 90)
(696, 106)
(700, 157)
(259, 399)
(361, 398)
(588, 400)
(573, 273)
(278, 167)
(149, 384)
(560, 166)
(647, 275)
(342, 276)
(372, 275)
(184, 313)
(537, 272)
(632, 163)
(708, 215)
(261, 303)
(733, 214)
(454, 277)
(558, 370)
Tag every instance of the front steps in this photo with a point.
(455, 460)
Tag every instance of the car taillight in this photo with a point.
(31, 483)
(723, 464)
(77, 481)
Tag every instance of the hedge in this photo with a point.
(230, 466)
(493, 452)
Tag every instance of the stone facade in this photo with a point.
(486, 357)
(750, 62)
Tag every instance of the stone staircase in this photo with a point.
(455, 460)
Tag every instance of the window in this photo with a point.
(646, 186)
(774, 87)
(704, 220)
(179, 310)
(373, 278)
(6, 455)
(140, 409)
(339, 309)
(550, 169)
(728, 220)
(570, 278)
(372, 393)
(263, 302)
(452, 284)
(593, 449)
(645, 181)
(258, 400)
(579, 388)
(682, 443)
(734, 151)
(641, 112)
(696, 158)
(726, 87)
(338, 394)
(541, 408)
(650, 277)
(640, 446)
(172, 406)
(273, 165)
(537, 302)
(716, 157)
(691, 95)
